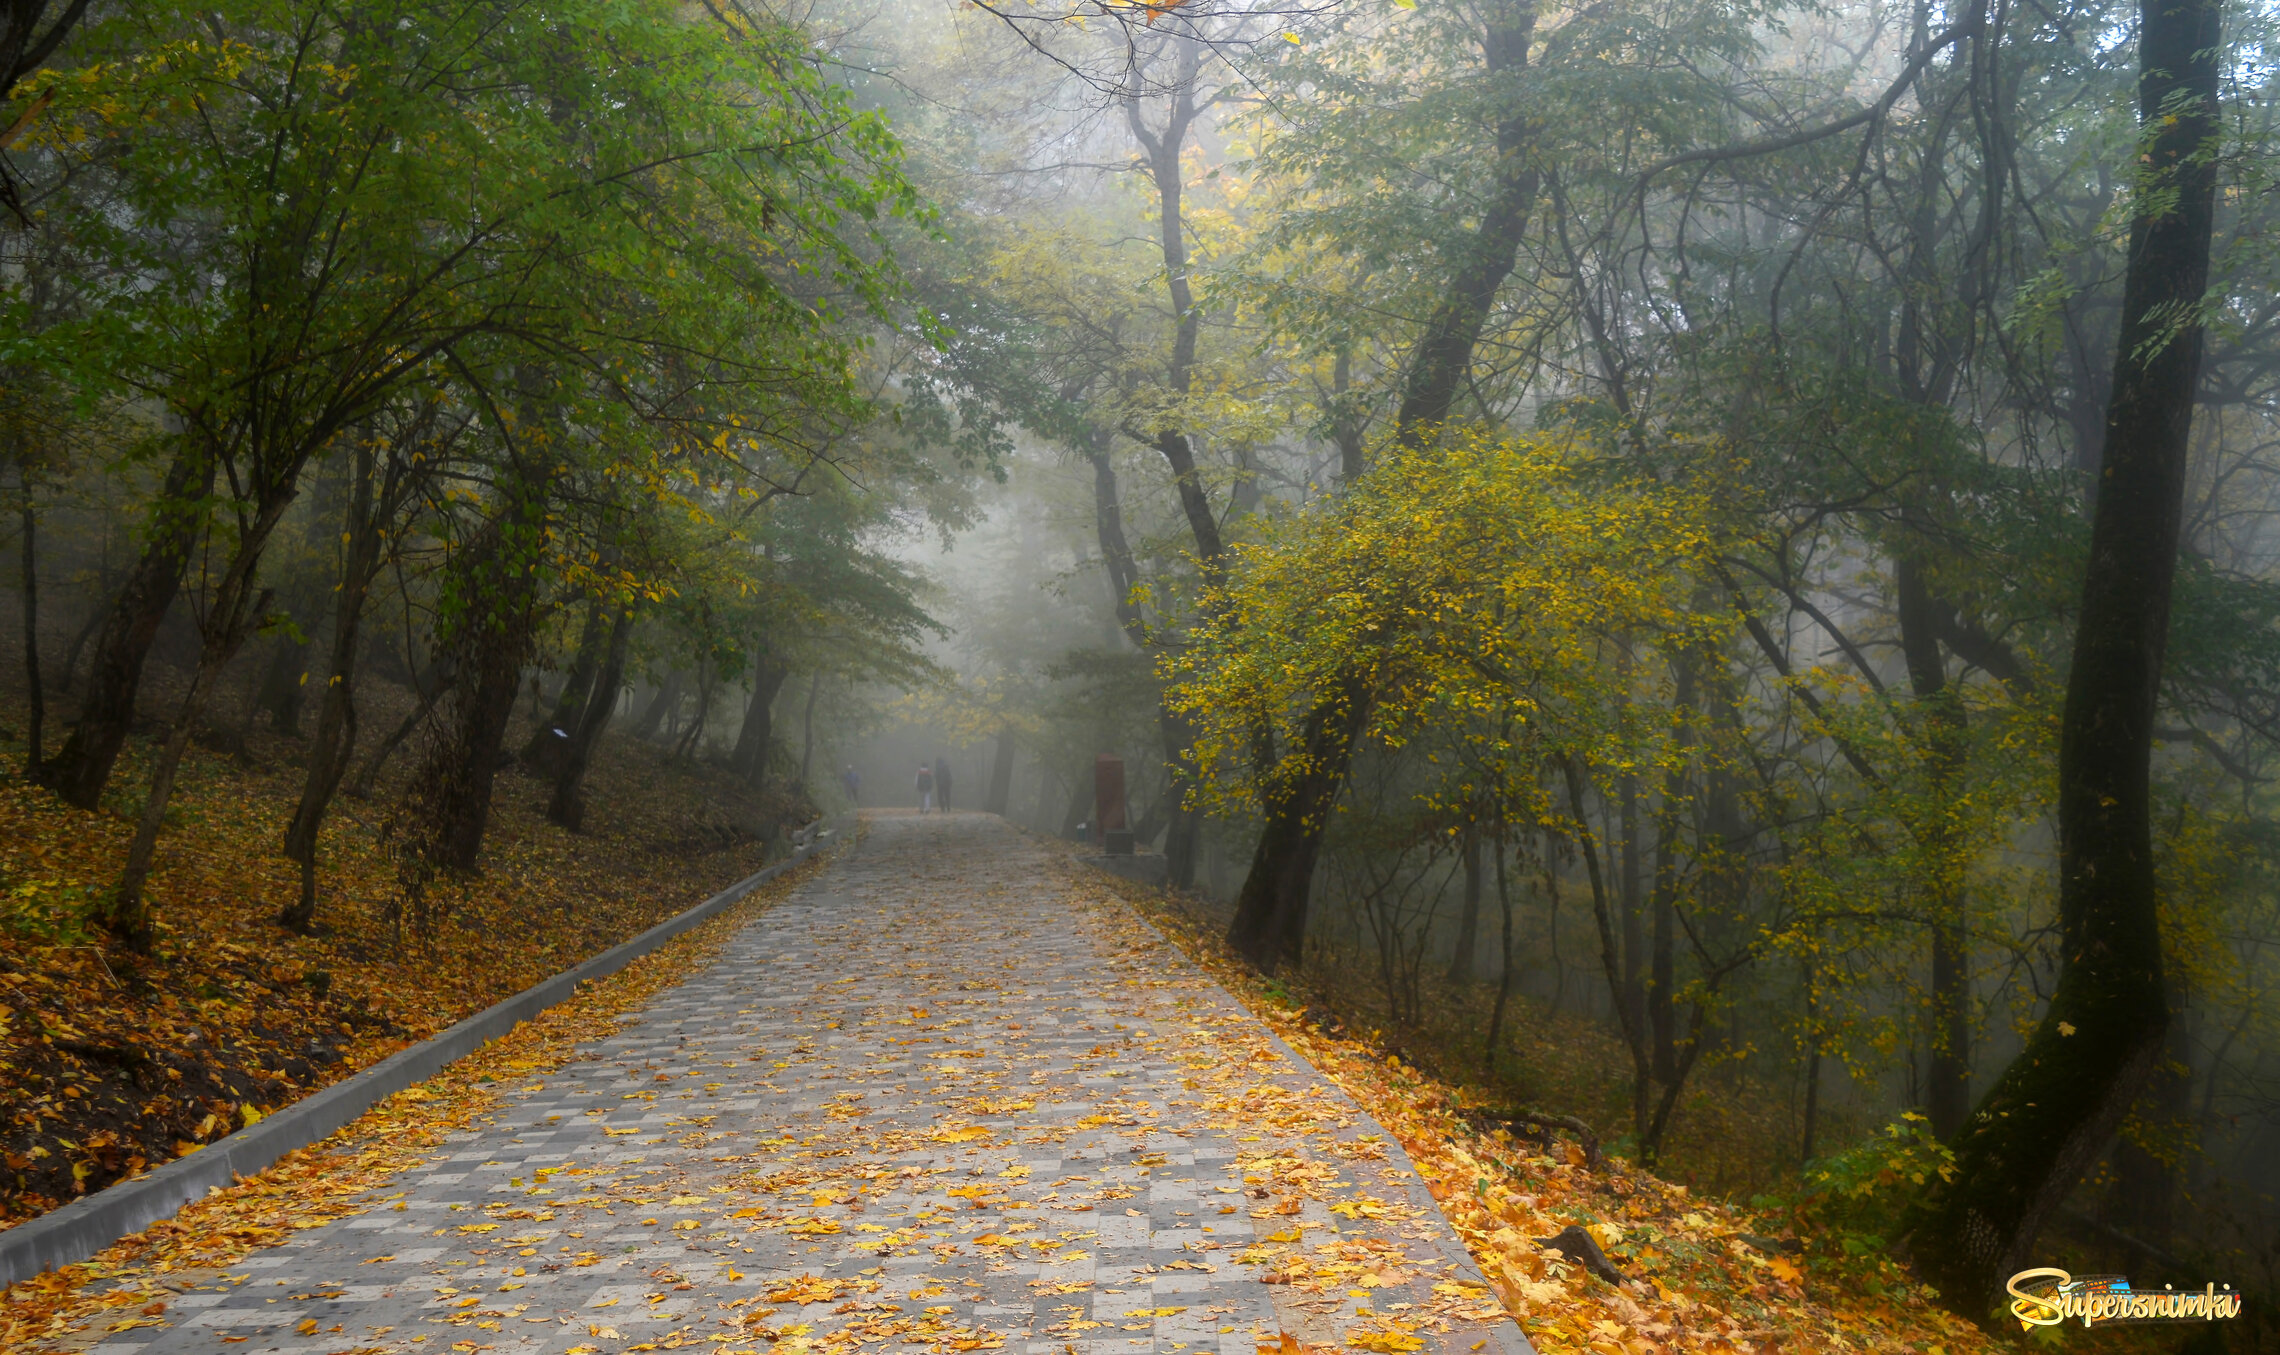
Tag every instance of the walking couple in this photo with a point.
(933, 785)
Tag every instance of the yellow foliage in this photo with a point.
(1507, 594)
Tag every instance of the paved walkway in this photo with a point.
(942, 1096)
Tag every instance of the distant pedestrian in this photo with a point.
(853, 781)
(942, 783)
(925, 788)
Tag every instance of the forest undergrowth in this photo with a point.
(1692, 1269)
(1726, 1238)
(110, 1064)
(1732, 1135)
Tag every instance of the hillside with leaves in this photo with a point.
(112, 1064)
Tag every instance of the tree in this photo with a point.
(285, 251)
(2059, 1103)
(1476, 589)
(379, 493)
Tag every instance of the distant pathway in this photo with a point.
(942, 1097)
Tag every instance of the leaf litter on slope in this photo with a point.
(110, 1064)
(131, 1282)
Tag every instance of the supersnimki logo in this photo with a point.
(2047, 1296)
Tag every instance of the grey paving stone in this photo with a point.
(923, 1101)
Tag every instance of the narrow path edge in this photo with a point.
(1510, 1338)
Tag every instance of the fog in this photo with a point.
(1672, 565)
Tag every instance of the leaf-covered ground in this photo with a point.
(944, 1065)
(1697, 1274)
(115, 1290)
(111, 1064)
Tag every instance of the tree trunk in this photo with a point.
(807, 729)
(2058, 1104)
(706, 682)
(1001, 774)
(1183, 845)
(1442, 360)
(1269, 927)
(82, 767)
(430, 688)
(335, 739)
(85, 633)
(2148, 1165)
(458, 773)
(1163, 157)
(1150, 826)
(1162, 152)
(1504, 968)
(568, 807)
(1270, 913)
(750, 760)
(1634, 996)
(1041, 816)
(284, 679)
(461, 768)
(1346, 421)
(230, 618)
(1468, 915)
(1186, 822)
(497, 578)
(1635, 1036)
(544, 751)
(1183, 837)
(1080, 804)
(35, 721)
(1662, 973)
(652, 715)
(1812, 1065)
(1947, 1098)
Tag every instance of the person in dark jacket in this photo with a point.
(942, 783)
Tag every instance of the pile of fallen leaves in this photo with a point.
(111, 1063)
(1681, 1271)
(128, 1284)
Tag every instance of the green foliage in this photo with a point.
(51, 912)
(1851, 1206)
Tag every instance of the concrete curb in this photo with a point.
(90, 1223)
